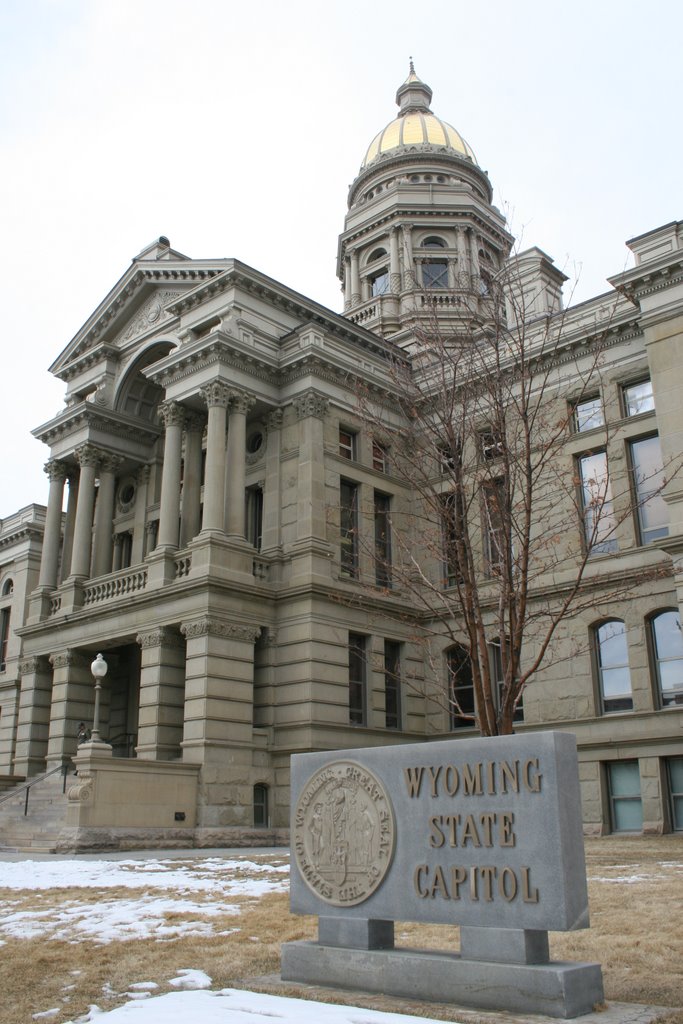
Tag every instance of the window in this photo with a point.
(254, 516)
(648, 480)
(587, 414)
(638, 398)
(260, 805)
(626, 805)
(382, 539)
(674, 769)
(392, 684)
(435, 274)
(433, 242)
(611, 650)
(494, 526)
(8, 588)
(380, 460)
(498, 676)
(460, 688)
(126, 549)
(451, 524)
(667, 647)
(596, 502)
(4, 637)
(348, 527)
(347, 444)
(357, 671)
(490, 445)
(379, 283)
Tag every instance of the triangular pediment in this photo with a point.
(137, 304)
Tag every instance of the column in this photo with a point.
(394, 263)
(162, 694)
(463, 270)
(347, 283)
(240, 404)
(49, 561)
(190, 523)
(88, 458)
(33, 721)
(118, 546)
(355, 279)
(216, 395)
(272, 496)
(140, 515)
(311, 409)
(104, 515)
(70, 523)
(408, 264)
(73, 701)
(173, 417)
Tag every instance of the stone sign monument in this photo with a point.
(482, 833)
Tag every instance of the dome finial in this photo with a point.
(412, 66)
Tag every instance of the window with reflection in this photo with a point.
(667, 648)
(648, 479)
(357, 680)
(498, 675)
(614, 673)
(626, 803)
(587, 414)
(638, 398)
(460, 688)
(379, 283)
(596, 501)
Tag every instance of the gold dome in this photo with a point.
(416, 125)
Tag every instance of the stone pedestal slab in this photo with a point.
(563, 990)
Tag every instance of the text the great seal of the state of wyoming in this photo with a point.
(344, 833)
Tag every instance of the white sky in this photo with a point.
(236, 128)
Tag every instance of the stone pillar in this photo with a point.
(408, 262)
(463, 275)
(219, 674)
(69, 524)
(118, 546)
(394, 263)
(355, 279)
(347, 283)
(237, 471)
(272, 491)
(162, 695)
(216, 395)
(140, 515)
(33, 722)
(311, 408)
(49, 561)
(173, 416)
(151, 531)
(73, 701)
(190, 523)
(104, 515)
(474, 257)
(88, 458)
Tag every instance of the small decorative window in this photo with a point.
(8, 588)
(260, 806)
(638, 398)
(254, 442)
(587, 414)
(433, 242)
(347, 444)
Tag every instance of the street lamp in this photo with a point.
(99, 670)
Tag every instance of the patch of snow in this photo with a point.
(46, 1013)
(188, 977)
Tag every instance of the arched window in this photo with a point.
(434, 271)
(614, 674)
(460, 688)
(260, 805)
(667, 648)
(433, 242)
(376, 254)
(379, 280)
(8, 588)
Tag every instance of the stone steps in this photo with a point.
(37, 831)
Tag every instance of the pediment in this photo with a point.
(137, 304)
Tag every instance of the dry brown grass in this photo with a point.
(636, 934)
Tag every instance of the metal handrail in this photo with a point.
(26, 786)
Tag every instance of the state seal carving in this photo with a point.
(344, 833)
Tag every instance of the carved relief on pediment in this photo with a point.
(149, 315)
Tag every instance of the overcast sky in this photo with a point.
(235, 129)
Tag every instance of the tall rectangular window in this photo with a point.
(587, 414)
(357, 679)
(348, 527)
(611, 652)
(4, 637)
(638, 398)
(435, 274)
(648, 480)
(254, 516)
(674, 768)
(392, 684)
(494, 526)
(382, 539)
(667, 647)
(460, 688)
(380, 457)
(496, 661)
(450, 525)
(625, 800)
(596, 501)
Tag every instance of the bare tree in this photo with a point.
(496, 546)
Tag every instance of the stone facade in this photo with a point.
(194, 532)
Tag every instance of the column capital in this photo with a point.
(110, 463)
(194, 421)
(216, 393)
(171, 414)
(214, 627)
(156, 637)
(56, 470)
(311, 404)
(28, 666)
(240, 401)
(142, 475)
(66, 659)
(274, 420)
(87, 455)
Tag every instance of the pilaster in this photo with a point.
(33, 723)
(73, 701)
(162, 694)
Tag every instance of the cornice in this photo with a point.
(113, 423)
(650, 277)
(26, 531)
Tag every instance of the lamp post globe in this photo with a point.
(99, 670)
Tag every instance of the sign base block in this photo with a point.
(557, 989)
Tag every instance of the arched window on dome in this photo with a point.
(434, 270)
(378, 279)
